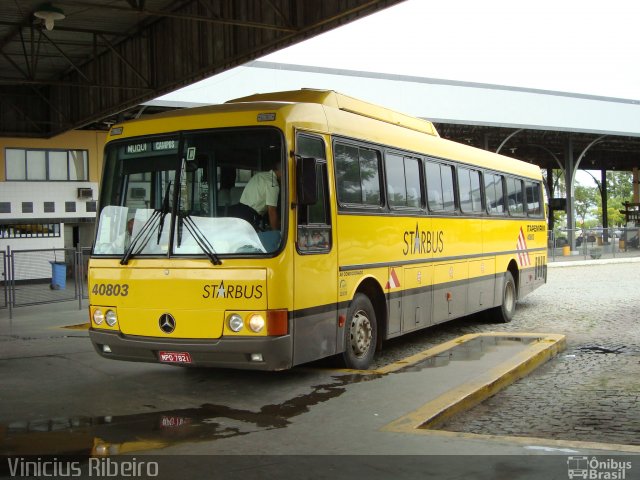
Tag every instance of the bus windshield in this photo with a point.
(192, 194)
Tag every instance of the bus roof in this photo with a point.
(333, 111)
(330, 98)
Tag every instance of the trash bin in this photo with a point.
(58, 275)
(566, 250)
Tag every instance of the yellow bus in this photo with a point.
(382, 228)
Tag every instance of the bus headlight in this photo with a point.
(256, 323)
(235, 322)
(98, 316)
(111, 318)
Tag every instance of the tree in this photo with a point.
(619, 185)
(619, 190)
(586, 201)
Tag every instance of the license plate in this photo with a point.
(175, 357)
(170, 421)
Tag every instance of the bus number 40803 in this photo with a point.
(110, 289)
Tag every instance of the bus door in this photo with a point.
(315, 289)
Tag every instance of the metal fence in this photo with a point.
(83, 257)
(4, 283)
(34, 277)
(593, 243)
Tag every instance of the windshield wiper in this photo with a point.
(146, 232)
(164, 210)
(142, 237)
(200, 239)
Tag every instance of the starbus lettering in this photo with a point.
(423, 241)
(230, 290)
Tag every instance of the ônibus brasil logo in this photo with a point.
(597, 469)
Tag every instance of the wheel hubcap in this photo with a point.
(360, 333)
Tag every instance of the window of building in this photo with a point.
(33, 230)
(40, 165)
(49, 207)
(69, 207)
(27, 207)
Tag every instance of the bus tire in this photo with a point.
(504, 313)
(361, 333)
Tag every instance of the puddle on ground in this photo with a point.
(602, 349)
(471, 350)
(112, 435)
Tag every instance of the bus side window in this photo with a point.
(440, 187)
(403, 181)
(534, 208)
(515, 196)
(358, 174)
(314, 221)
(469, 190)
(494, 193)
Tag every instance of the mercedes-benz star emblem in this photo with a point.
(167, 323)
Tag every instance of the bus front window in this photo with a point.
(136, 196)
(228, 181)
(204, 175)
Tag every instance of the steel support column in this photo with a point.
(605, 215)
(550, 219)
(568, 179)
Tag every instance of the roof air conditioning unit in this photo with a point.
(85, 193)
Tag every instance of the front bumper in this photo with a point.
(277, 352)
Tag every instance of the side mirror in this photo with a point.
(307, 184)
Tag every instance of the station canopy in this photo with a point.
(69, 63)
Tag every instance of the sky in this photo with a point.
(584, 46)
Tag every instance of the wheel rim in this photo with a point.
(509, 296)
(360, 332)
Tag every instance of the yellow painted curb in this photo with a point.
(532, 442)
(468, 395)
(80, 326)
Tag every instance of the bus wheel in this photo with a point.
(504, 312)
(361, 332)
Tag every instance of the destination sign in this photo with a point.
(146, 147)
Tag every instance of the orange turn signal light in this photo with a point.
(277, 322)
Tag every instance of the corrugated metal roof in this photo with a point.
(108, 55)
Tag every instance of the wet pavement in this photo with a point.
(53, 400)
(60, 397)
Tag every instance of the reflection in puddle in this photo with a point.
(114, 435)
(471, 350)
(129, 433)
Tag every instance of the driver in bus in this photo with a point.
(261, 196)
